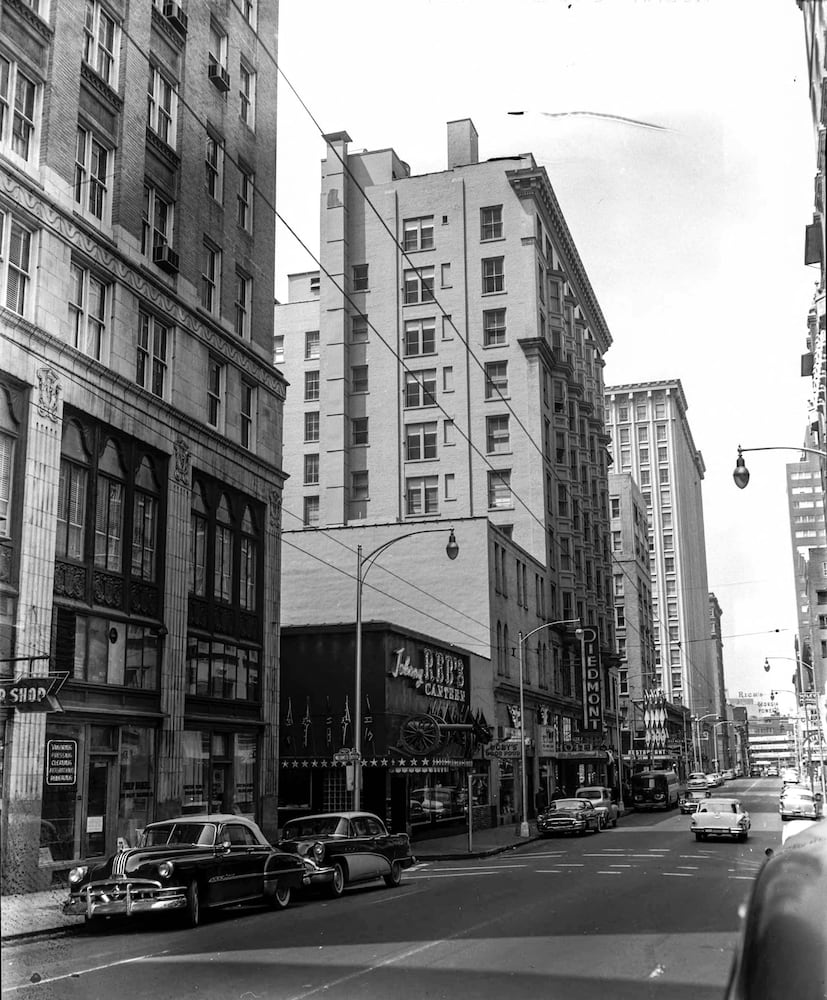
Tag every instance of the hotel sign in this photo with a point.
(592, 685)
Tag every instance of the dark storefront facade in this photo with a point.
(422, 733)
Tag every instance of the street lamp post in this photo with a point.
(799, 662)
(521, 640)
(363, 564)
(741, 472)
(697, 722)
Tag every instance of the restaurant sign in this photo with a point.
(438, 674)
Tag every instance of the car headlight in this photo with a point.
(317, 850)
(165, 869)
(78, 874)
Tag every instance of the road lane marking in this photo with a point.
(85, 972)
(622, 866)
(744, 878)
(571, 864)
(549, 871)
(457, 874)
(695, 857)
(609, 873)
(678, 874)
(689, 868)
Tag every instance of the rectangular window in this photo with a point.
(418, 234)
(15, 261)
(359, 378)
(311, 470)
(246, 186)
(109, 524)
(420, 442)
(359, 487)
(215, 392)
(419, 285)
(311, 426)
(211, 278)
(311, 345)
(420, 388)
(91, 174)
(496, 379)
(420, 337)
(311, 512)
(243, 302)
(214, 166)
(6, 467)
(359, 329)
(247, 95)
(144, 535)
(493, 328)
(493, 275)
(450, 488)
(217, 52)
(18, 93)
(491, 223)
(151, 363)
(162, 104)
(157, 221)
(100, 34)
(278, 349)
(359, 430)
(248, 415)
(71, 511)
(497, 438)
(360, 277)
(87, 311)
(445, 275)
(311, 386)
(499, 489)
(422, 495)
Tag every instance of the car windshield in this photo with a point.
(590, 793)
(315, 826)
(697, 774)
(202, 834)
(567, 804)
(718, 805)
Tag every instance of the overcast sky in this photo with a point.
(692, 233)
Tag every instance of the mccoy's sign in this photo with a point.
(592, 684)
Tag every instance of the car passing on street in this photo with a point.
(697, 779)
(720, 817)
(572, 816)
(346, 848)
(797, 802)
(692, 798)
(192, 864)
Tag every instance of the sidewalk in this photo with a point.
(33, 913)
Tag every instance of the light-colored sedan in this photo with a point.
(697, 779)
(799, 803)
(601, 798)
(720, 817)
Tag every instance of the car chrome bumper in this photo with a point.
(124, 899)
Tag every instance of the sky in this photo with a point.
(692, 233)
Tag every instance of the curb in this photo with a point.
(483, 853)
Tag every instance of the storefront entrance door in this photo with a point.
(100, 814)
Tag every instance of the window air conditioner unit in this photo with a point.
(219, 76)
(174, 13)
(166, 258)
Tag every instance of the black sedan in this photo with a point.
(192, 864)
(347, 847)
(568, 816)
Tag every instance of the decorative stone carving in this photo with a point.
(275, 510)
(107, 590)
(181, 473)
(143, 599)
(48, 393)
(70, 581)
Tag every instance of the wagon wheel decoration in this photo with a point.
(420, 735)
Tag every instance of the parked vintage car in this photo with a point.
(347, 847)
(797, 802)
(192, 864)
(601, 798)
(692, 798)
(782, 947)
(575, 816)
(720, 817)
(697, 779)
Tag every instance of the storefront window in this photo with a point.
(220, 772)
(60, 789)
(135, 806)
(437, 798)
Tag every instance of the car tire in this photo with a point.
(337, 886)
(194, 916)
(395, 876)
(279, 899)
(698, 835)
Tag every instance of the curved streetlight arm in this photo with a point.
(741, 472)
(521, 640)
(363, 564)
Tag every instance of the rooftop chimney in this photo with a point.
(462, 143)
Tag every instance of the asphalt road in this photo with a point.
(640, 911)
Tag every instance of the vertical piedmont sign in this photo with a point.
(592, 684)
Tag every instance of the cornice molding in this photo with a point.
(142, 283)
(32, 19)
(533, 182)
(163, 149)
(101, 87)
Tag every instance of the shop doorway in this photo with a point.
(101, 806)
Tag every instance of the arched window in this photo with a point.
(223, 572)
(145, 521)
(198, 542)
(109, 509)
(248, 563)
(71, 500)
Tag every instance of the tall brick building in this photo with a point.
(140, 420)
(447, 369)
